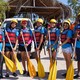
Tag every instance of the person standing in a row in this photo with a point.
(2, 48)
(11, 33)
(54, 37)
(66, 43)
(27, 35)
(77, 32)
(39, 36)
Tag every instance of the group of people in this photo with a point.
(52, 34)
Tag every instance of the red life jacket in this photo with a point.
(38, 36)
(1, 38)
(26, 36)
(53, 36)
(12, 37)
(64, 37)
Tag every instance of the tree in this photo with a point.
(75, 4)
(4, 6)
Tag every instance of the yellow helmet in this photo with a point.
(53, 21)
(0, 23)
(67, 21)
(40, 20)
(14, 20)
(78, 14)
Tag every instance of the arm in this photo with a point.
(29, 41)
(17, 34)
(65, 41)
(3, 49)
(16, 44)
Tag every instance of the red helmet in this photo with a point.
(23, 21)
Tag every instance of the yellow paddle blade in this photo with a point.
(31, 69)
(53, 72)
(51, 63)
(18, 65)
(11, 66)
(50, 74)
(70, 72)
(41, 72)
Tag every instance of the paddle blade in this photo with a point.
(70, 72)
(53, 72)
(11, 66)
(50, 74)
(18, 65)
(31, 69)
(41, 72)
(51, 63)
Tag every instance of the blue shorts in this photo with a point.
(78, 54)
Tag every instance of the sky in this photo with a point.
(64, 1)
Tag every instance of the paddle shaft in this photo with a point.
(24, 43)
(49, 43)
(35, 43)
(74, 48)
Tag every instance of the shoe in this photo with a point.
(24, 72)
(76, 76)
(64, 74)
(14, 74)
(28, 74)
(36, 73)
(7, 75)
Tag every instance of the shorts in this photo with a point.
(78, 54)
(40, 46)
(22, 48)
(8, 48)
(67, 50)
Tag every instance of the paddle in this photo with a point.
(41, 72)
(70, 71)
(11, 66)
(31, 67)
(18, 63)
(51, 60)
(53, 72)
(53, 66)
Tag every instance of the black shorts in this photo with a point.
(22, 48)
(78, 54)
(8, 48)
(40, 46)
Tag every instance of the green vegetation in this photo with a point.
(75, 4)
(4, 6)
